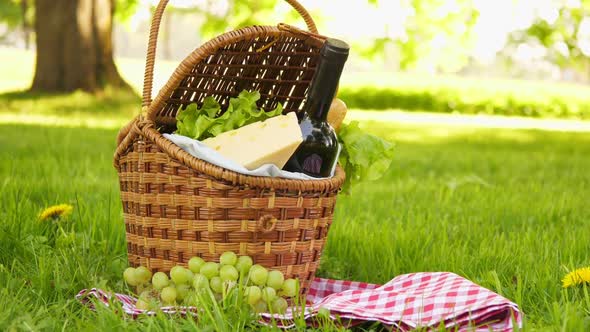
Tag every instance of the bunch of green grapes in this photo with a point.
(263, 290)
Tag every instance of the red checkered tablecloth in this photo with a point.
(409, 301)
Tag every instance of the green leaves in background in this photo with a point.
(10, 13)
(16, 14)
(238, 15)
(364, 157)
(563, 38)
(125, 9)
(205, 122)
(435, 37)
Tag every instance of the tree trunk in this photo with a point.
(74, 46)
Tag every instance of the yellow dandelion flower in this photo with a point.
(56, 211)
(576, 277)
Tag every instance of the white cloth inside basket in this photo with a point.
(202, 151)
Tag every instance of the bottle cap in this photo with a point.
(335, 49)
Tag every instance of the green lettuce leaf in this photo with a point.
(364, 157)
(205, 122)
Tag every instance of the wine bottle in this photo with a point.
(317, 155)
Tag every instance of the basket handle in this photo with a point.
(148, 77)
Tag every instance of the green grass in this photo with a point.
(505, 208)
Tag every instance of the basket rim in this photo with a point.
(145, 125)
(146, 129)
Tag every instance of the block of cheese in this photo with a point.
(269, 142)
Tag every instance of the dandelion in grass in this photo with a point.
(576, 277)
(56, 212)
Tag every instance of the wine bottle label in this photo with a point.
(313, 164)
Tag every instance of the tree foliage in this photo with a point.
(16, 14)
(10, 12)
(124, 9)
(565, 37)
(239, 14)
(438, 35)
(435, 35)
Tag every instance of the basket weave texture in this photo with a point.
(177, 206)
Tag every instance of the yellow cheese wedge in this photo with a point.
(269, 142)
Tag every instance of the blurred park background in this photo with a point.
(506, 57)
(487, 102)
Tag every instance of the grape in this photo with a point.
(190, 275)
(182, 291)
(290, 288)
(244, 264)
(160, 280)
(279, 305)
(147, 301)
(142, 304)
(260, 306)
(275, 279)
(143, 274)
(216, 284)
(263, 289)
(168, 295)
(253, 294)
(210, 270)
(179, 275)
(144, 287)
(228, 258)
(258, 275)
(146, 295)
(269, 294)
(200, 282)
(228, 273)
(195, 263)
(131, 277)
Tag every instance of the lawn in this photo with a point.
(505, 208)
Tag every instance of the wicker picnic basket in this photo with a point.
(177, 206)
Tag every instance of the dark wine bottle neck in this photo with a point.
(323, 88)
